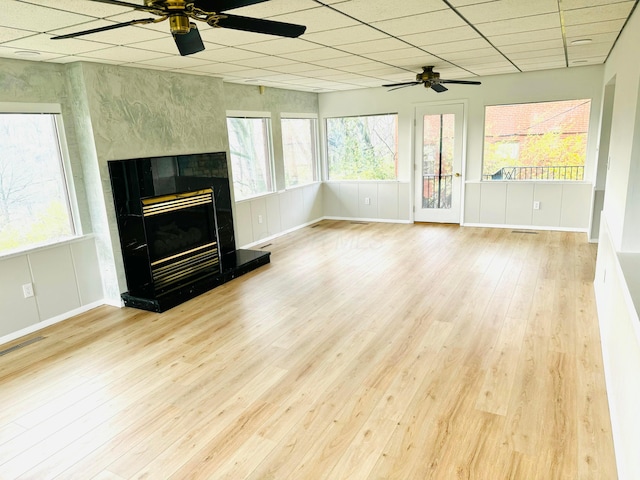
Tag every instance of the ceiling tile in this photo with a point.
(573, 4)
(175, 62)
(315, 54)
(552, 65)
(442, 49)
(536, 53)
(164, 44)
(36, 18)
(339, 62)
(274, 7)
(317, 19)
(391, 56)
(507, 9)
(612, 26)
(602, 13)
(92, 9)
(527, 47)
(43, 43)
(275, 45)
(431, 36)
(8, 52)
(7, 34)
(123, 54)
(265, 61)
(373, 46)
(225, 54)
(368, 11)
(340, 36)
(296, 67)
(444, 19)
(217, 68)
(518, 25)
(526, 37)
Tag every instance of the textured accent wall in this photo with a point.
(135, 113)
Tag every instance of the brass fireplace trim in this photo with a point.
(170, 203)
(183, 253)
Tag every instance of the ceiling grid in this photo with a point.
(348, 44)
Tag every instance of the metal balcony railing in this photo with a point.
(436, 191)
(538, 173)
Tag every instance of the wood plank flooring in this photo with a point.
(363, 351)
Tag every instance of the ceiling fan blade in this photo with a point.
(104, 29)
(439, 88)
(462, 82)
(403, 84)
(223, 5)
(135, 6)
(257, 25)
(189, 43)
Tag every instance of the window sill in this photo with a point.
(43, 246)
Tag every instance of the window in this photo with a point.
(363, 148)
(251, 158)
(34, 200)
(299, 150)
(536, 141)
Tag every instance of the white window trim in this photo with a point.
(272, 168)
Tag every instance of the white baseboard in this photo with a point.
(279, 234)
(370, 220)
(51, 321)
(290, 230)
(526, 227)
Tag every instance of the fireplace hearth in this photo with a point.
(175, 224)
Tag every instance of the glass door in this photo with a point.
(438, 163)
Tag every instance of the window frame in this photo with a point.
(315, 147)
(325, 166)
(269, 149)
(588, 133)
(66, 171)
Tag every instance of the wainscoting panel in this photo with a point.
(519, 208)
(64, 278)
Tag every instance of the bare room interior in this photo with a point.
(273, 239)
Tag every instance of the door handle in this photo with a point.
(458, 174)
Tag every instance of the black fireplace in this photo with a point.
(176, 232)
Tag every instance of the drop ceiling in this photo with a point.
(348, 44)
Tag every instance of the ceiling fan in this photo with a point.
(431, 80)
(184, 31)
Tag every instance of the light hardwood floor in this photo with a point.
(363, 351)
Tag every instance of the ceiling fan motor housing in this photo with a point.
(179, 24)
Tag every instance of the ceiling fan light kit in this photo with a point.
(185, 32)
(430, 79)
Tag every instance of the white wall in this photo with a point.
(558, 203)
(617, 282)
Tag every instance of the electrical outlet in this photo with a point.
(367, 201)
(27, 290)
(259, 218)
(536, 205)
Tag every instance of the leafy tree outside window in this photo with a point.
(299, 150)
(536, 141)
(34, 201)
(363, 148)
(251, 159)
